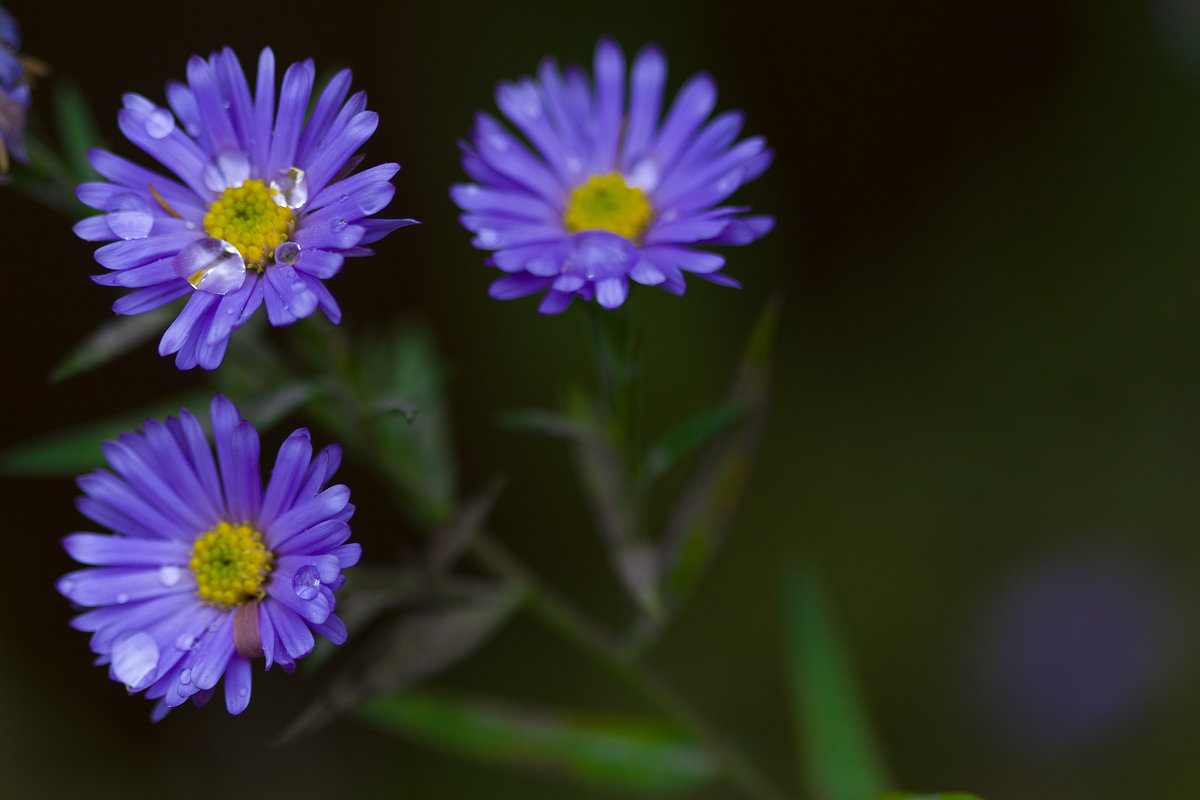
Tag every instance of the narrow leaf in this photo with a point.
(837, 748)
(699, 519)
(448, 541)
(683, 438)
(616, 752)
(549, 423)
(112, 340)
(76, 128)
(76, 450)
(403, 648)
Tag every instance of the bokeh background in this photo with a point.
(985, 432)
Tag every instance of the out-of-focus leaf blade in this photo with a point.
(404, 648)
(621, 753)
(76, 450)
(683, 438)
(839, 758)
(76, 128)
(926, 796)
(267, 409)
(698, 520)
(449, 540)
(112, 340)
(549, 423)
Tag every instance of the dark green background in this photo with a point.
(988, 247)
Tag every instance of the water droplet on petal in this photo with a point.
(135, 660)
(185, 641)
(290, 187)
(287, 253)
(306, 582)
(299, 286)
(185, 677)
(211, 265)
(168, 574)
(122, 598)
(242, 692)
(488, 237)
(643, 175)
(227, 168)
(159, 123)
(339, 223)
(129, 216)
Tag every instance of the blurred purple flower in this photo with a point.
(205, 569)
(610, 192)
(1074, 646)
(263, 211)
(14, 92)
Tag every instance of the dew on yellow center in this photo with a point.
(248, 217)
(231, 564)
(607, 203)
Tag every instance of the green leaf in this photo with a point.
(684, 437)
(448, 541)
(112, 340)
(697, 522)
(550, 423)
(616, 752)
(76, 128)
(407, 646)
(837, 748)
(76, 450)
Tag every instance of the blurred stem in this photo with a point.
(616, 352)
(557, 613)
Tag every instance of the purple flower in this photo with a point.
(611, 190)
(205, 569)
(262, 208)
(14, 92)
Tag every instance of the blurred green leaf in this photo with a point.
(113, 339)
(76, 129)
(267, 409)
(550, 423)
(837, 747)
(684, 437)
(76, 450)
(926, 796)
(700, 517)
(449, 540)
(617, 752)
(402, 383)
(407, 646)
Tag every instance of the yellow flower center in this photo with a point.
(248, 217)
(606, 202)
(230, 564)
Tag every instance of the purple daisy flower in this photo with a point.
(14, 92)
(205, 569)
(610, 192)
(262, 209)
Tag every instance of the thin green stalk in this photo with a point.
(557, 613)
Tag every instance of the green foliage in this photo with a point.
(113, 339)
(935, 796)
(838, 753)
(76, 450)
(604, 750)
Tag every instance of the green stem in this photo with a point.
(557, 613)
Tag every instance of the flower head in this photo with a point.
(205, 569)
(262, 208)
(611, 189)
(14, 92)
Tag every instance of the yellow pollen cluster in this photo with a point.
(230, 564)
(248, 218)
(606, 202)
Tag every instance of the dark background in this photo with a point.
(985, 432)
